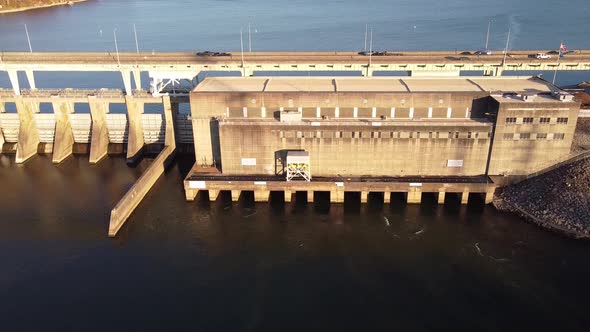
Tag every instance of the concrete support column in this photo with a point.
(202, 140)
(441, 197)
(137, 79)
(28, 135)
(374, 112)
(310, 196)
(288, 195)
(63, 143)
(135, 141)
(99, 139)
(235, 195)
(13, 76)
(31, 79)
(489, 196)
(337, 112)
(498, 71)
(465, 197)
(247, 71)
(126, 74)
(318, 112)
(2, 140)
(355, 112)
(213, 195)
(364, 196)
(190, 194)
(263, 112)
(337, 196)
(386, 197)
(261, 195)
(414, 197)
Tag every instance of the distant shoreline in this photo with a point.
(22, 9)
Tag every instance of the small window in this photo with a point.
(411, 134)
(561, 120)
(353, 134)
(456, 134)
(477, 134)
(544, 120)
(527, 120)
(489, 134)
(437, 135)
(418, 135)
(525, 136)
(429, 134)
(510, 120)
(541, 136)
(508, 136)
(468, 134)
(558, 136)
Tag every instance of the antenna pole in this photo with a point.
(249, 39)
(488, 34)
(371, 47)
(116, 47)
(366, 30)
(242, 49)
(28, 38)
(136, 43)
(506, 48)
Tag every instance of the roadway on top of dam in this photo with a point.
(46, 60)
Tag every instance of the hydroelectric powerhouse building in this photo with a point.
(379, 135)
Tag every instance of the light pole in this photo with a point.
(28, 39)
(135, 33)
(116, 47)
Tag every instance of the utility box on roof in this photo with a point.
(291, 116)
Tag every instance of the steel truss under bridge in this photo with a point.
(174, 84)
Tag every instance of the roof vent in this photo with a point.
(562, 96)
(529, 98)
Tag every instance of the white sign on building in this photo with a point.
(248, 161)
(454, 163)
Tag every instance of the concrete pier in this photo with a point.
(465, 197)
(28, 135)
(100, 137)
(63, 145)
(135, 139)
(197, 181)
(414, 197)
(135, 195)
(213, 195)
(441, 197)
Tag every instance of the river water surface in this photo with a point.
(227, 266)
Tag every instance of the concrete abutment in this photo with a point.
(28, 135)
(63, 145)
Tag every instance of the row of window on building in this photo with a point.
(534, 136)
(530, 120)
(385, 134)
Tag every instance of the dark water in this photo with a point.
(227, 266)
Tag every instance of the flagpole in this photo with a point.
(242, 49)
(557, 64)
(488, 34)
(366, 30)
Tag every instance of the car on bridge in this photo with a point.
(483, 52)
(542, 56)
(210, 53)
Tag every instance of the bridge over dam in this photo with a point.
(177, 73)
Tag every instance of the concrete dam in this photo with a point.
(435, 132)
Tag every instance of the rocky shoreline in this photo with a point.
(39, 6)
(558, 200)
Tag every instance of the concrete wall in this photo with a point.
(372, 151)
(516, 155)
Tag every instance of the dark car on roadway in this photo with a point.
(210, 53)
(374, 53)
